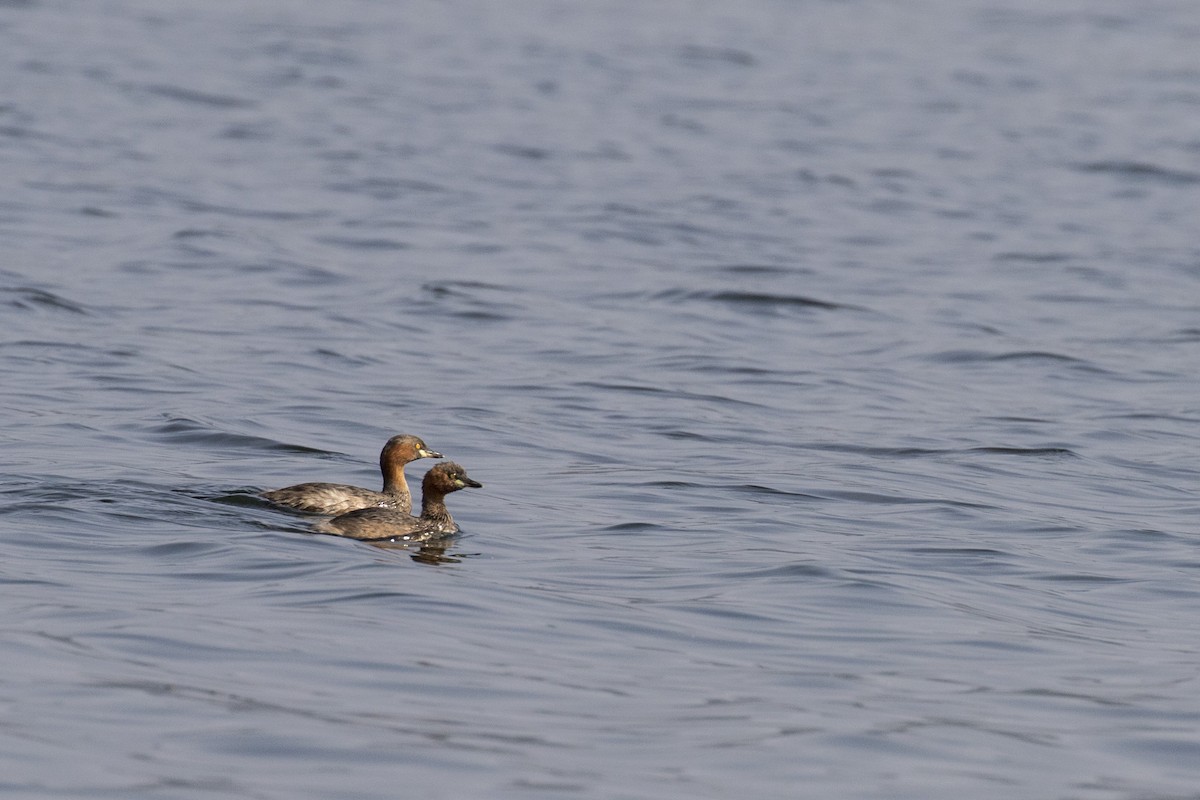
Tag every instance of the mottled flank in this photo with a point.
(329, 498)
(339, 498)
(392, 524)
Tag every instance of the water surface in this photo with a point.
(831, 369)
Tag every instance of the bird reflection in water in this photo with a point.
(428, 552)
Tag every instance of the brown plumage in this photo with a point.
(338, 498)
(389, 523)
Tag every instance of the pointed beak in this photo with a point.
(468, 482)
(424, 453)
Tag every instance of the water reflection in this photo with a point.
(431, 552)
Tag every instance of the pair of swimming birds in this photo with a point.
(387, 514)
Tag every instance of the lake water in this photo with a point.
(831, 369)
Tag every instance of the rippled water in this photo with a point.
(831, 369)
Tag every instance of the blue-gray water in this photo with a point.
(831, 369)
